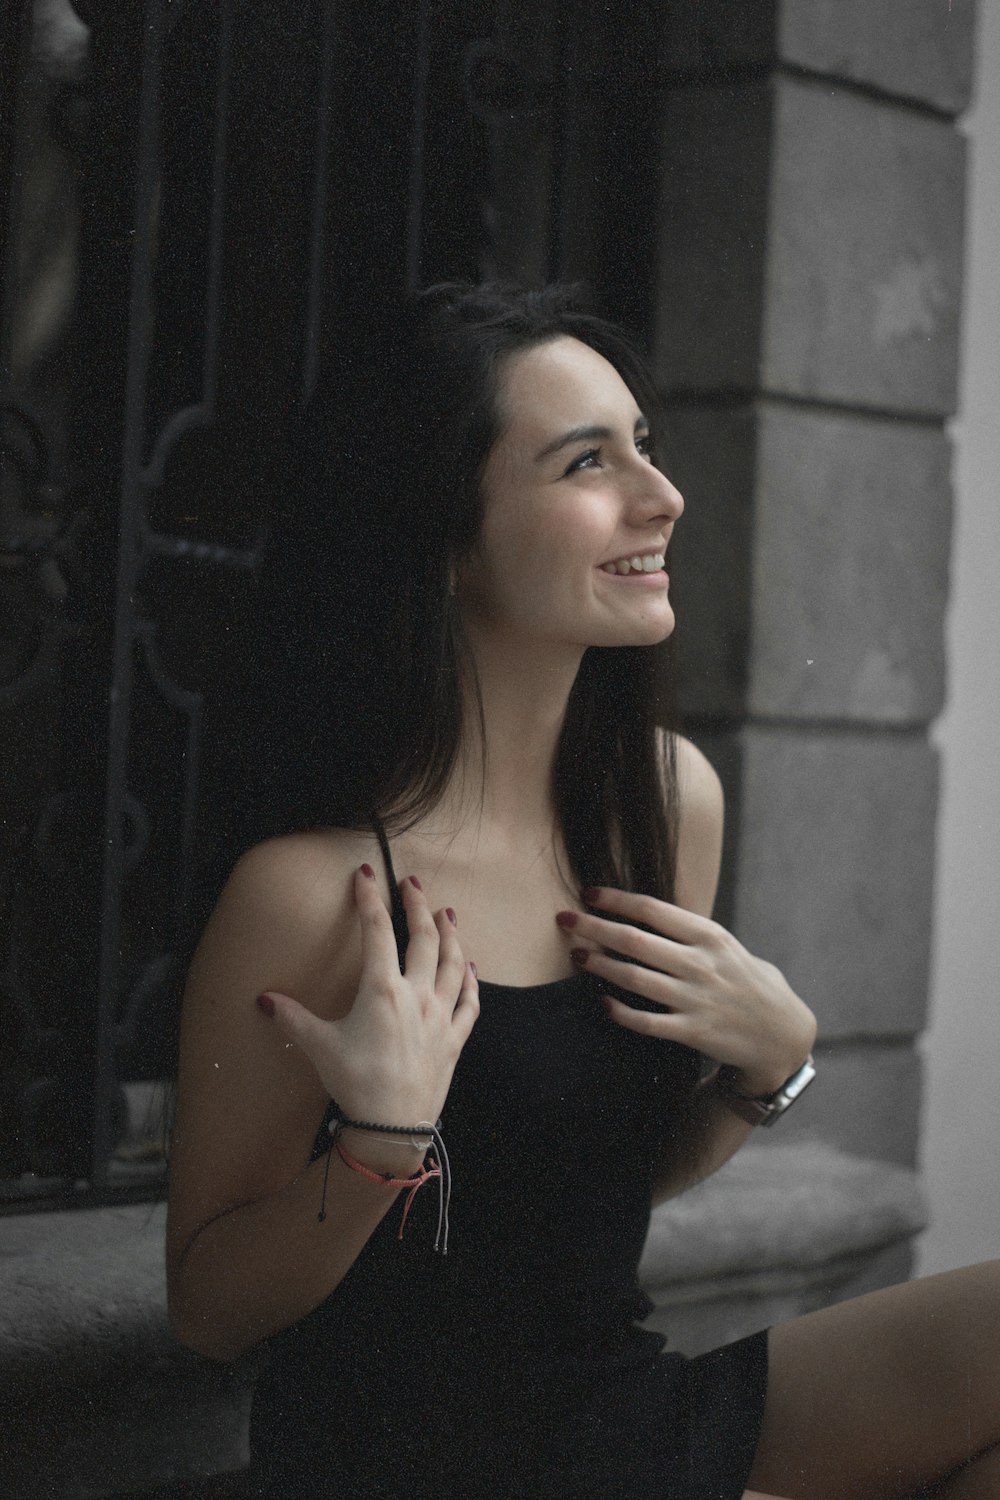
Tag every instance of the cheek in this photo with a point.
(532, 553)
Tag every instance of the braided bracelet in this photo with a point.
(387, 1180)
(439, 1168)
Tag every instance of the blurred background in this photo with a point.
(793, 204)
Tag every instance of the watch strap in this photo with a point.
(764, 1109)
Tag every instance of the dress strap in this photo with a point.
(399, 923)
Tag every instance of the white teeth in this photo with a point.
(650, 563)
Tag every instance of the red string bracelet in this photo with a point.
(387, 1180)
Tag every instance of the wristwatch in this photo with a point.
(765, 1108)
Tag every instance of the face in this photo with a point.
(569, 490)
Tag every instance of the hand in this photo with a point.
(716, 997)
(390, 1059)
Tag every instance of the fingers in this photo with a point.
(294, 1022)
(679, 959)
(645, 1022)
(451, 965)
(651, 984)
(423, 948)
(466, 1010)
(663, 916)
(379, 957)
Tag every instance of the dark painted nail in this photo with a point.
(579, 956)
(266, 1004)
(567, 918)
(368, 872)
(451, 916)
(590, 895)
(415, 882)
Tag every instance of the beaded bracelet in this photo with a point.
(382, 1132)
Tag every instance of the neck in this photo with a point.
(524, 690)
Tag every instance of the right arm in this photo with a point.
(246, 1255)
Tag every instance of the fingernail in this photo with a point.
(414, 881)
(606, 1001)
(590, 895)
(266, 1004)
(567, 918)
(579, 955)
(368, 872)
(473, 968)
(451, 916)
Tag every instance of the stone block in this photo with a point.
(710, 456)
(917, 49)
(777, 1231)
(865, 1101)
(810, 246)
(864, 270)
(835, 871)
(851, 529)
(810, 568)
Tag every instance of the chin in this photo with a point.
(641, 633)
(651, 631)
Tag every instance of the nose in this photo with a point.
(657, 497)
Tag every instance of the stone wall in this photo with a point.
(810, 269)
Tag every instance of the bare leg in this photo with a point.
(876, 1398)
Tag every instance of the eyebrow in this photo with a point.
(580, 434)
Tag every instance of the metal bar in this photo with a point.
(418, 133)
(565, 30)
(15, 56)
(190, 704)
(131, 503)
(317, 237)
(185, 549)
(202, 412)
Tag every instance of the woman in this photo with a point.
(468, 695)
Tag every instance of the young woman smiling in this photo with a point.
(464, 687)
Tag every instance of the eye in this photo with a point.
(589, 460)
(644, 444)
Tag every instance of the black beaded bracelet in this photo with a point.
(341, 1122)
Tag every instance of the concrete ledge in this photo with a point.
(99, 1400)
(778, 1231)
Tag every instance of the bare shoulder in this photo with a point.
(699, 833)
(288, 908)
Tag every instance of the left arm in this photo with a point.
(719, 999)
(715, 1132)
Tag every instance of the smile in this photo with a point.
(647, 562)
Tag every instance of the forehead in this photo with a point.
(561, 384)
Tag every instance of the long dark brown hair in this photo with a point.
(355, 681)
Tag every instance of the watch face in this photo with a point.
(790, 1091)
(764, 1111)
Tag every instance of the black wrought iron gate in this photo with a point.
(198, 196)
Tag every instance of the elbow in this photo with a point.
(202, 1333)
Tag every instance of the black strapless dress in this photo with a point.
(513, 1366)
